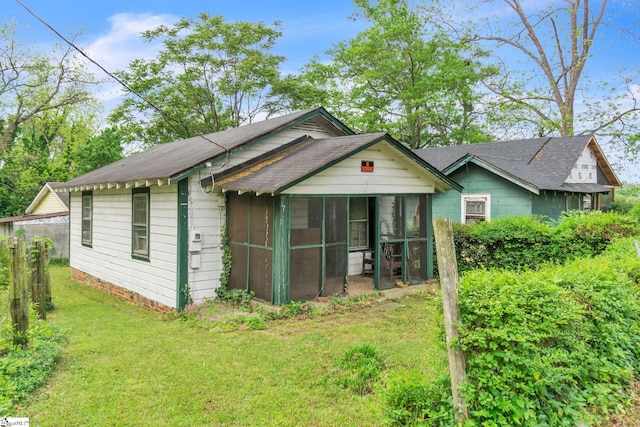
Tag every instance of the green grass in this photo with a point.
(125, 366)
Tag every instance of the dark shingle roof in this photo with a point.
(284, 168)
(543, 163)
(173, 159)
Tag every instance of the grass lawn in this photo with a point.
(126, 366)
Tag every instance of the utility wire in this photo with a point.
(122, 83)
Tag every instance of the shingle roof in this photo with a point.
(170, 160)
(542, 163)
(283, 168)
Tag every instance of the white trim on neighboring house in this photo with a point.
(480, 216)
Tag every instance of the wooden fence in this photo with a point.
(28, 275)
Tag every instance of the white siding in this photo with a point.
(393, 174)
(585, 170)
(207, 215)
(110, 259)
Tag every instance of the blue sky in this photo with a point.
(110, 32)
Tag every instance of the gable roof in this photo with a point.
(167, 162)
(49, 188)
(534, 164)
(283, 168)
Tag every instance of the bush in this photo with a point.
(588, 234)
(23, 369)
(411, 401)
(556, 346)
(512, 243)
(516, 243)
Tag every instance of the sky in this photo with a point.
(108, 31)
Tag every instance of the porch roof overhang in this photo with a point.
(279, 170)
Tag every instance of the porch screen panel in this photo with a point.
(305, 273)
(391, 217)
(260, 269)
(416, 218)
(417, 262)
(306, 221)
(261, 221)
(238, 276)
(238, 218)
(336, 254)
(391, 259)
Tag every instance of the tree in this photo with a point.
(400, 77)
(99, 150)
(557, 39)
(32, 83)
(211, 75)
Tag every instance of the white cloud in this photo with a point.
(122, 44)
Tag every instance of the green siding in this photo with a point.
(506, 198)
(550, 204)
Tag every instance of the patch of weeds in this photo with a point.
(24, 368)
(412, 401)
(361, 369)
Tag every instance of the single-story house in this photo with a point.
(305, 202)
(540, 176)
(46, 216)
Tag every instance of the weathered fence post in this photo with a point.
(40, 283)
(448, 272)
(18, 290)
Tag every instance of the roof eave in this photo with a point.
(470, 158)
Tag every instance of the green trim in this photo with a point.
(134, 192)
(320, 111)
(281, 255)
(182, 250)
(470, 158)
(430, 236)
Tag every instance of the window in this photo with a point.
(140, 223)
(358, 223)
(476, 208)
(87, 215)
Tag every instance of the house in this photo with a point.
(46, 216)
(307, 205)
(541, 176)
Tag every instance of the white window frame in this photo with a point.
(140, 234)
(486, 198)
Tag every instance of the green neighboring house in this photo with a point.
(540, 176)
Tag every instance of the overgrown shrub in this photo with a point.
(23, 369)
(512, 242)
(588, 234)
(516, 243)
(412, 401)
(556, 346)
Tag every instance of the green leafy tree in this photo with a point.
(398, 76)
(32, 83)
(99, 150)
(210, 75)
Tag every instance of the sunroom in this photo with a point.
(315, 217)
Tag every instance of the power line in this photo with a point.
(122, 83)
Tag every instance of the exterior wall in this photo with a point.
(50, 203)
(506, 198)
(550, 204)
(55, 228)
(393, 174)
(207, 215)
(109, 259)
(585, 170)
